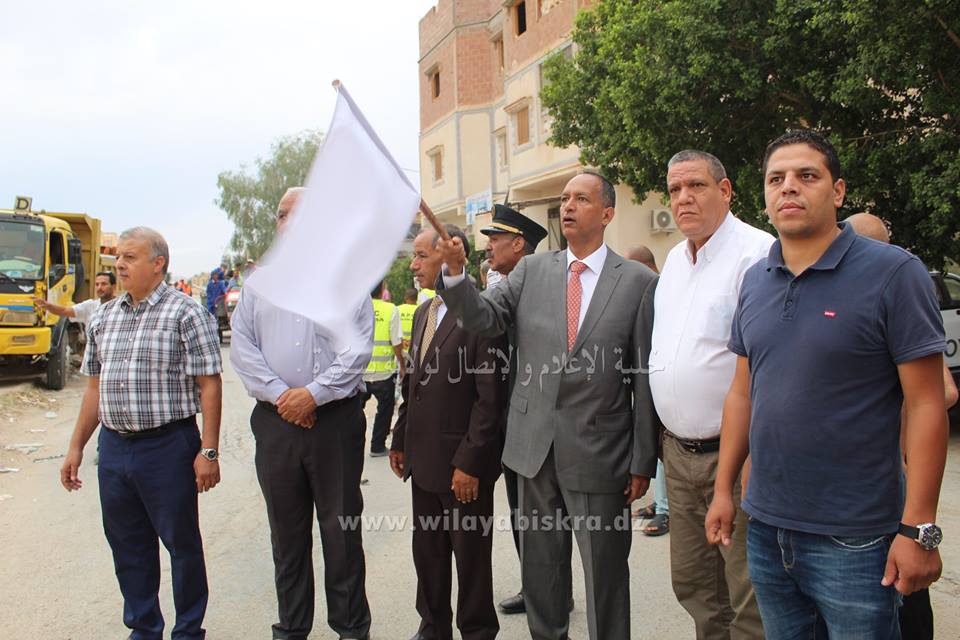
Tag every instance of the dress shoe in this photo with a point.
(513, 604)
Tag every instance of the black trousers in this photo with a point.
(385, 393)
(443, 526)
(305, 469)
(513, 499)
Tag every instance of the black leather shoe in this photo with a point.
(513, 604)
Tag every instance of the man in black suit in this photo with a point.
(448, 439)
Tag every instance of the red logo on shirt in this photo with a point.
(830, 314)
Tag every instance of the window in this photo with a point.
(554, 230)
(503, 158)
(521, 124)
(498, 46)
(952, 284)
(435, 155)
(520, 16)
(435, 84)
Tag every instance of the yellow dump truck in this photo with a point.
(53, 256)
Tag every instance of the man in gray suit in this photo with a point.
(581, 432)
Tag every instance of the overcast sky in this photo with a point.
(127, 110)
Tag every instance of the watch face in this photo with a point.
(209, 454)
(930, 536)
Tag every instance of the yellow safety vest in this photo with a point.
(382, 359)
(425, 294)
(406, 320)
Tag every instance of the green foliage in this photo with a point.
(250, 199)
(881, 78)
(399, 278)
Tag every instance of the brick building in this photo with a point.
(483, 130)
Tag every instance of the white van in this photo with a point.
(948, 293)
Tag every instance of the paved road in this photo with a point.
(56, 575)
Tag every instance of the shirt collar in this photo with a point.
(594, 261)
(715, 242)
(828, 261)
(155, 296)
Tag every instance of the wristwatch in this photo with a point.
(210, 454)
(929, 536)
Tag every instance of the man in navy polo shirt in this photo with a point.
(834, 333)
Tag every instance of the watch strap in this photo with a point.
(910, 532)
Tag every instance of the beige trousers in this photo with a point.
(711, 582)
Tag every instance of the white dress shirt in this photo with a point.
(588, 277)
(84, 310)
(690, 366)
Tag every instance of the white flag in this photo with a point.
(345, 230)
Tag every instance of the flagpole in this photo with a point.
(424, 208)
(432, 219)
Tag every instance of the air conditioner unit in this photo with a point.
(661, 221)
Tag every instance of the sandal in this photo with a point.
(658, 526)
(647, 512)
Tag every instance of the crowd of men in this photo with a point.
(788, 394)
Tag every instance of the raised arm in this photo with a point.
(488, 314)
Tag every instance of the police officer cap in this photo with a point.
(506, 220)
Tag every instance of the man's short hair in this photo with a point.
(813, 140)
(110, 275)
(528, 249)
(608, 195)
(714, 166)
(158, 246)
(410, 295)
(454, 232)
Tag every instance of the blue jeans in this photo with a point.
(816, 586)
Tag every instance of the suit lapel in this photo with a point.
(416, 337)
(606, 283)
(446, 326)
(558, 282)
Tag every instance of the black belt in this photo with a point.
(697, 446)
(156, 432)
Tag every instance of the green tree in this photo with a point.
(399, 278)
(880, 78)
(250, 198)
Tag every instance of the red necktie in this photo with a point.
(574, 293)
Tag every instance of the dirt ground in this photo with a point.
(56, 574)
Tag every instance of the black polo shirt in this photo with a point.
(825, 395)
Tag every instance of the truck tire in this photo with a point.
(58, 365)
